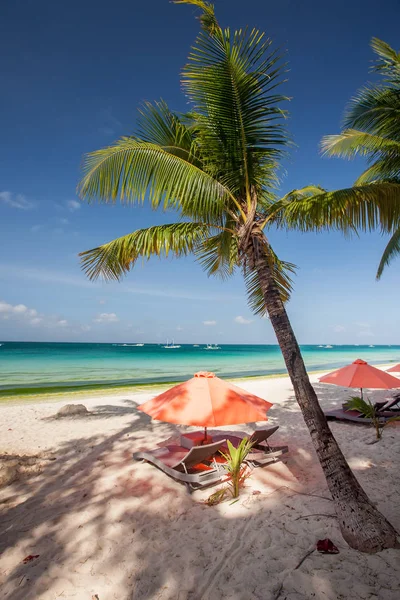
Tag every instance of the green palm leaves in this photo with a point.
(133, 169)
(215, 167)
(230, 78)
(372, 130)
(113, 260)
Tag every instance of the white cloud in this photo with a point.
(26, 317)
(179, 328)
(18, 309)
(73, 205)
(36, 321)
(339, 328)
(242, 321)
(36, 228)
(62, 220)
(106, 318)
(209, 323)
(102, 301)
(16, 201)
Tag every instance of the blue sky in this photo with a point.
(73, 75)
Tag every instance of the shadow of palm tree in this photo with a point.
(104, 524)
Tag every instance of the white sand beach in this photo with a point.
(106, 527)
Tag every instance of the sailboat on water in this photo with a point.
(171, 346)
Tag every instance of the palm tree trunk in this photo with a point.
(362, 525)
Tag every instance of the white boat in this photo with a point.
(371, 346)
(195, 345)
(171, 346)
(321, 346)
(328, 346)
(212, 347)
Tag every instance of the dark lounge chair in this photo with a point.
(262, 453)
(389, 408)
(187, 466)
(385, 410)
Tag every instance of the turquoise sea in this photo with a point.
(28, 367)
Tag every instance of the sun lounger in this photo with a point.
(354, 416)
(187, 466)
(389, 408)
(385, 410)
(262, 453)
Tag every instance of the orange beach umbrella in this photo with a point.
(206, 401)
(395, 369)
(361, 375)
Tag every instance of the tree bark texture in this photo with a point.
(362, 525)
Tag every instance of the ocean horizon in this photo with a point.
(44, 367)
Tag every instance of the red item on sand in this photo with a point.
(30, 557)
(327, 547)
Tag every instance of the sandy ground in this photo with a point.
(106, 527)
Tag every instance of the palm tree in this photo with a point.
(217, 168)
(372, 129)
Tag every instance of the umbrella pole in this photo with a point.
(361, 393)
(205, 435)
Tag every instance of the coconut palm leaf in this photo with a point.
(372, 130)
(391, 251)
(219, 254)
(132, 169)
(113, 260)
(351, 143)
(157, 124)
(367, 207)
(229, 80)
(384, 169)
(376, 110)
(388, 62)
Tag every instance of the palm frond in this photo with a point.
(351, 142)
(388, 62)
(385, 169)
(391, 251)
(376, 110)
(230, 79)
(131, 169)
(157, 124)
(219, 254)
(275, 212)
(207, 17)
(368, 207)
(364, 407)
(282, 272)
(115, 259)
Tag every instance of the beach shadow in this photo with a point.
(103, 524)
(102, 411)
